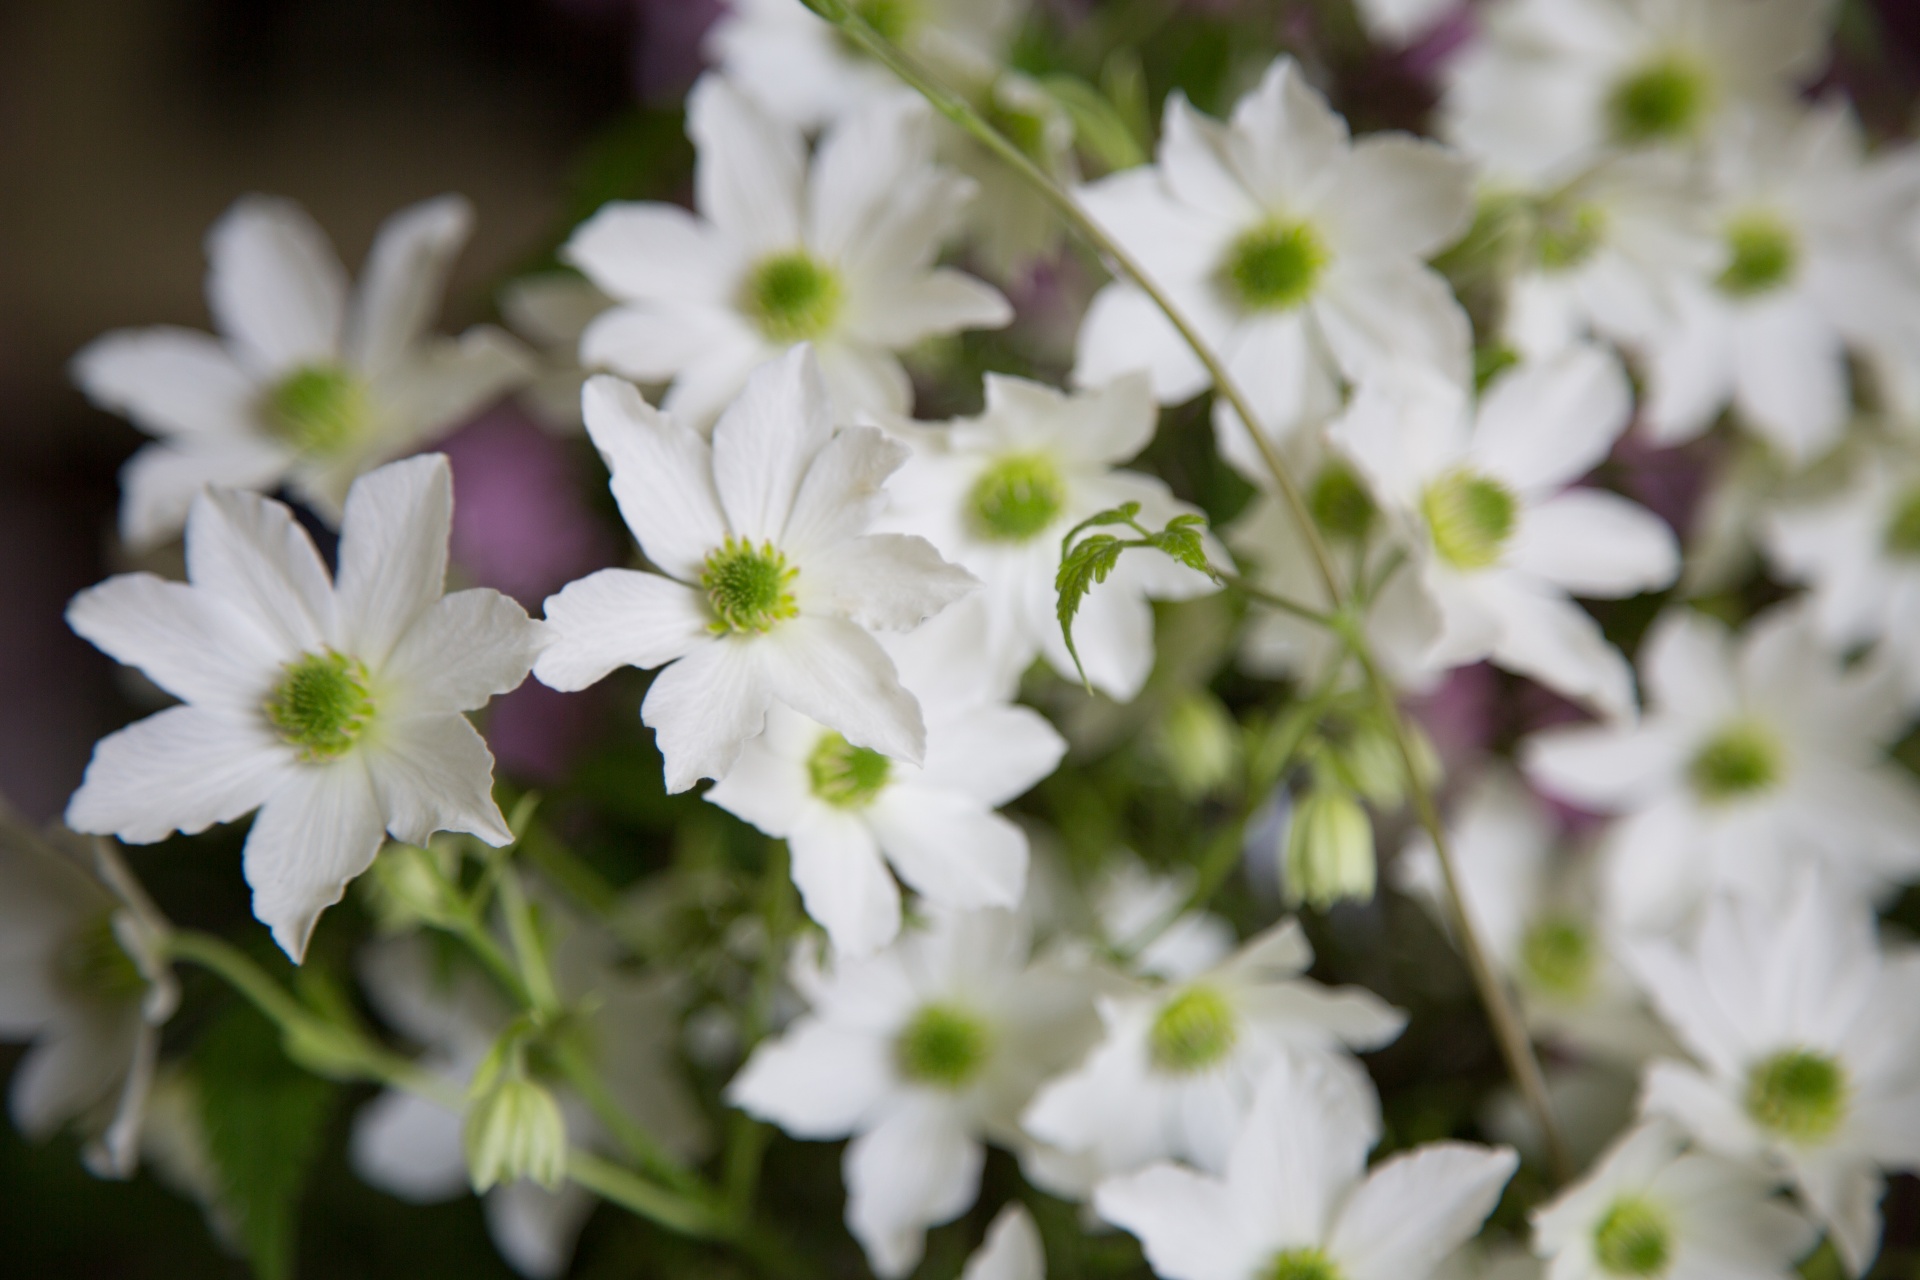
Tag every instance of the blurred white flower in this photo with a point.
(837, 252)
(1130, 902)
(920, 1053)
(1756, 756)
(770, 585)
(1807, 1052)
(551, 310)
(1297, 1201)
(307, 386)
(1501, 538)
(332, 705)
(1011, 1251)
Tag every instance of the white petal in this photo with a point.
(662, 476)
(183, 769)
(1376, 314)
(1301, 1148)
(1604, 767)
(442, 383)
(705, 387)
(185, 641)
(434, 773)
(993, 754)
(950, 849)
(468, 647)
(618, 618)
(747, 180)
(814, 1081)
(704, 706)
(841, 493)
(534, 1229)
(393, 553)
(1546, 636)
(917, 1168)
(1286, 141)
(319, 829)
(1417, 1208)
(1184, 1221)
(71, 1071)
(1011, 1251)
(899, 312)
(1594, 543)
(832, 671)
(248, 553)
(768, 785)
(1192, 163)
(1690, 1100)
(409, 1147)
(766, 441)
(842, 880)
(1124, 332)
(655, 252)
(170, 382)
(1790, 371)
(275, 285)
(1398, 196)
(652, 341)
(1544, 425)
(1845, 1194)
(404, 280)
(863, 380)
(160, 482)
(886, 581)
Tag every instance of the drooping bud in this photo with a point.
(514, 1128)
(1198, 744)
(412, 886)
(1329, 855)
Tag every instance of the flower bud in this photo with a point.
(1199, 745)
(412, 886)
(1329, 848)
(515, 1130)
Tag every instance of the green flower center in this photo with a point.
(1193, 1031)
(1300, 1264)
(321, 704)
(1903, 531)
(93, 964)
(1471, 517)
(944, 1046)
(1557, 957)
(846, 776)
(1660, 102)
(1741, 759)
(1017, 498)
(1569, 238)
(1762, 255)
(1798, 1094)
(320, 410)
(793, 297)
(1633, 1238)
(1340, 503)
(748, 587)
(1274, 266)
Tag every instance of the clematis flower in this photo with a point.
(920, 1053)
(837, 253)
(1808, 1058)
(1499, 539)
(1176, 1071)
(1296, 1199)
(1011, 1251)
(770, 585)
(997, 493)
(334, 706)
(306, 386)
(1653, 1208)
(1293, 251)
(84, 975)
(1753, 761)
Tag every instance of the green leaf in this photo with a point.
(1080, 568)
(263, 1119)
(1181, 540)
(1098, 125)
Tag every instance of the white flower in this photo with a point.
(1652, 1208)
(552, 310)
(1295, 253)
(1011, 1251)
(331, 705)
(1807, 1049)
(1399, 23)
(1297, 1202)
(1499, 539)
(920, 1053)
(1556, 82)
(1534, 910)
(1858, 550)
(306, 386)
(997, 492)
(838, 253)
(1130, 902)
(411, 1147)
(1806, 267)
(84, 975)
(1176, 1071)
(799, 68)
(1751, 762)
(843, 809)
(768, 584)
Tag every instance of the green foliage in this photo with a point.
(1086, 564)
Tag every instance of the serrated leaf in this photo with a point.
(1184, 545)
(1080, 568)
(263, 1119)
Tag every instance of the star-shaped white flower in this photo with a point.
(331, 704)
(1295, 252)
(997, 492)
(307, 385)
(769, 585)
(837, 251)
(1753, 760)
(1176, 1071)
(84, 976)
(1500, 538)
(921, 1053)
(1807, 1052)
(1653, 1208)
(1297, 1202)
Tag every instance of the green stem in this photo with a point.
(535, 973)
(672, 1210)
(747, 1138)
(653, 1158)
(1274, 600)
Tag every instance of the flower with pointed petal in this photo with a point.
(1011, 1251)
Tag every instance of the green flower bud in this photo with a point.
(1199, 745)
(1329, 854)
(515, 1130)
(411, 886)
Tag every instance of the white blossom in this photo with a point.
(1011, 1251)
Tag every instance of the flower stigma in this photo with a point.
(320, 409)
(1662, 101)
(1557, 957)
(1301, 1264)
(1798, 1094)
(846, 776)
(748, 587)
(944, 1046)
(1471, 517)
(1274, 266)
(1193, 1031)
(1762, 255)
(1902, 537)
(1340, 503)
(1633, 1238)
(1017, 498)
(793, 297)
(321, 705)
(1739, 760)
